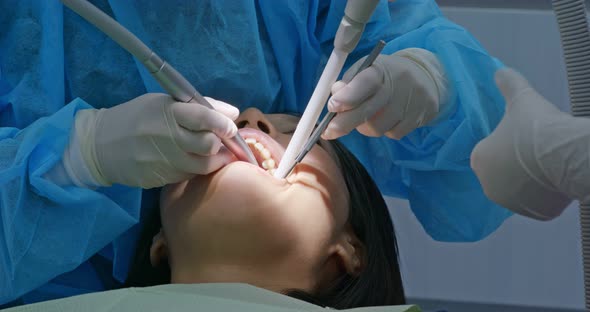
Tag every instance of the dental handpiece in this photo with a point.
(169, 78)
(315, 136)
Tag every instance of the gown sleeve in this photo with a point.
(47, 229)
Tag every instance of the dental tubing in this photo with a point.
(356, 15)
(575, 39)
(171, 80)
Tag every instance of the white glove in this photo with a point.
(537, 159)
(394, 96)
(148, 142)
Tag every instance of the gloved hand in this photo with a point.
(536, 160)
(148, 142)
(394, 96)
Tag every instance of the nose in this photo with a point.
(255, 119)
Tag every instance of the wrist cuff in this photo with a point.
(75, 163)
(428, 62)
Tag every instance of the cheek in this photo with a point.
(171, 198)
(237, 198)
(329, 177)
(178, 200)
(310, 216)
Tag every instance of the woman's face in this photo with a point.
(291, 229)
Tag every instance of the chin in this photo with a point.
(236, 185)
(240, 197)
(242, 206)
(243, 184)
(239, 171)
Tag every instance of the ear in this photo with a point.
(159, 249)
(350, 252)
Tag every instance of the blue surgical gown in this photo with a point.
(59, 241)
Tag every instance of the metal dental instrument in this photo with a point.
(171, 80)
(315, 136)
(356, 15)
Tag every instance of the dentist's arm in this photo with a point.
(538, 158)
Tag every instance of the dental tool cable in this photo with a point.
(575, 40)
(171, 80)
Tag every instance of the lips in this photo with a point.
(276, 150)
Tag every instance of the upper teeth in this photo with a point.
(269, 164)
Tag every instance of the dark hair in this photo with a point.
(379, 283)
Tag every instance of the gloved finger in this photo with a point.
(337, 86)
(344, 122)
(377, 127)
(511, 84)
(215, 162)
(202, 143)
(383, 120)
(390, 115)
(362, 87)
(403, 128)
(197, 118)
(199, 164)
(228, 110)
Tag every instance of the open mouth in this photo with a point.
(267, 151)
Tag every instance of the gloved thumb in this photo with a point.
(520, 96)
(226, 109)
(511, 84)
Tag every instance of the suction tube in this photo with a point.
(575, 39)
(356, 14)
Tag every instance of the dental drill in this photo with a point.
(171, 80)
(352, 25)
